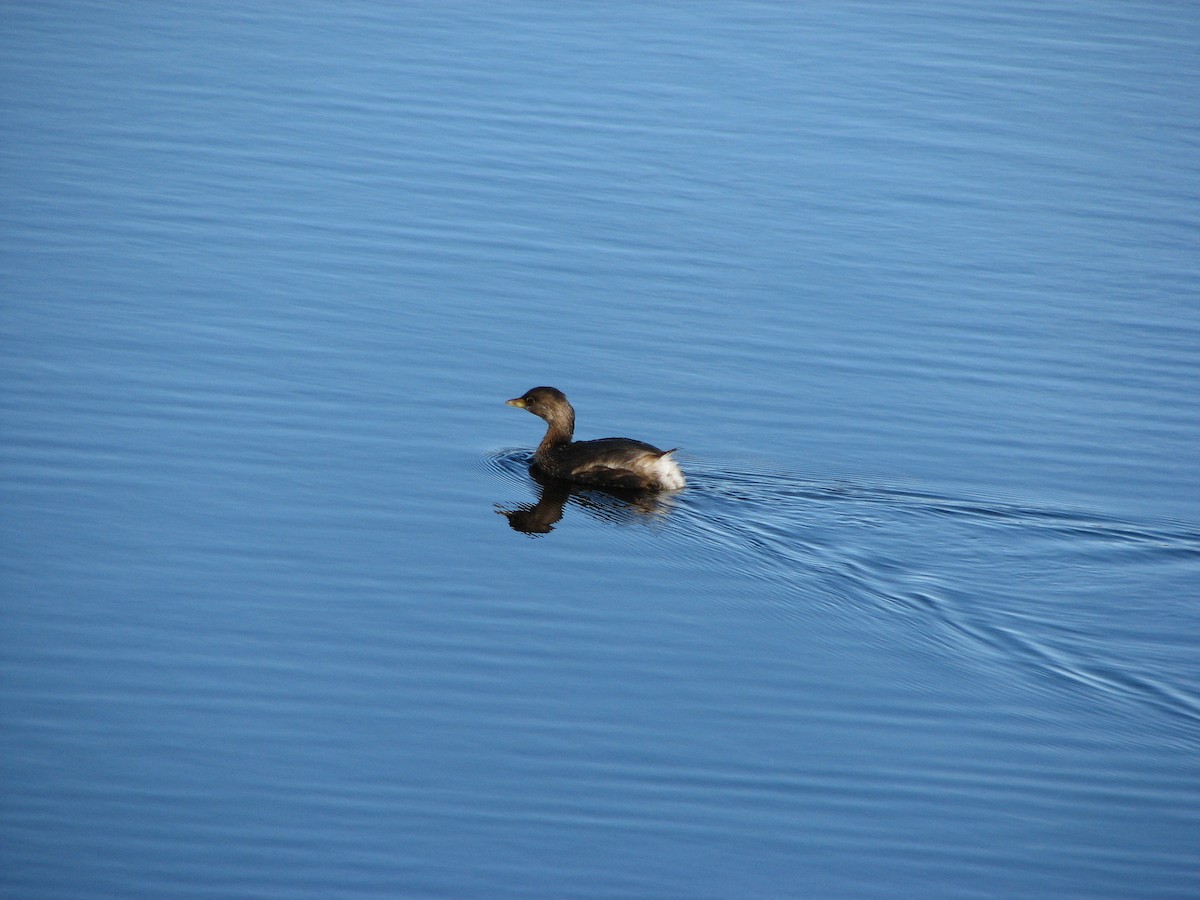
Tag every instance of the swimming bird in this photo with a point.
(607, 462)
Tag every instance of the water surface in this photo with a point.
(911, 285)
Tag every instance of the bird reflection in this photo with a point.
(622, 507)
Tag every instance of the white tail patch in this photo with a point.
(668, 473)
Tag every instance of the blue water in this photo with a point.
(913, 288)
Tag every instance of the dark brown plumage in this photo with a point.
(607, 462)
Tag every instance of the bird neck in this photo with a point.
(559, 431)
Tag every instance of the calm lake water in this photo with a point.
(913, 286)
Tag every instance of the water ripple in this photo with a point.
(1045, 590)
